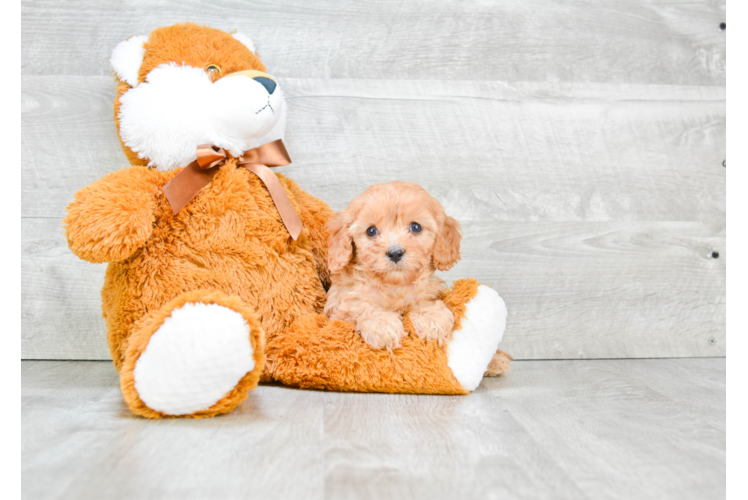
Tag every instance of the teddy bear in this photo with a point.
(217, 266)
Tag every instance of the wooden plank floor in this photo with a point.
(592, 429)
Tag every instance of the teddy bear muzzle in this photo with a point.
(179, 107)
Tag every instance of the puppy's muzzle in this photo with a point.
(395, 254)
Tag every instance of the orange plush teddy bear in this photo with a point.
(217, 266)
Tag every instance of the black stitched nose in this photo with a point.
(266, 82)
(395, 254)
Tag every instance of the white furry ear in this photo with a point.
(246, 41)
(127, 57)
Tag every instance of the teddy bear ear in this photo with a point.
(246, 41)
(127, 57)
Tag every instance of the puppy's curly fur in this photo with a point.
(383, 251)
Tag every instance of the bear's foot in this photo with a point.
(197, 356)
(476, 340)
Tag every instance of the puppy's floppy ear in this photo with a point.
(340, 247)
(447, 245)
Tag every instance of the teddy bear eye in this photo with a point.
(371, 232)
(415, 227)
(213, 68)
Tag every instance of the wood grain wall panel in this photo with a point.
(68, 140)
(488, 150)
(516, 40)
(27, 172)
(60, 300)
(580, 144)
(737, 259)
(602, 289)
(521, 152)
(573, 289)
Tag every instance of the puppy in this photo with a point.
(383, 251)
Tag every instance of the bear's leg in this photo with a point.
(321, 354)
(475, 341)
(197, 356)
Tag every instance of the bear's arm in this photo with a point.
(111, 218)
(314, 214)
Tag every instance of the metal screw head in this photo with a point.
(712, 341)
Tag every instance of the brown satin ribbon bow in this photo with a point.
(186, 184)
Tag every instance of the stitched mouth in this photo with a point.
(266, 106)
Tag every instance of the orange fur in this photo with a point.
(198, 46)
(229, 246)
(230, 239)
(113, 217)
(372, 290)
(317, 353)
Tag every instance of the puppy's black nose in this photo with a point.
(266, 82)
(395, 254)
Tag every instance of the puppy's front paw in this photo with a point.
(383, 331)
(433, 321)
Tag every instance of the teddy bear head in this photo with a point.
(186, 85)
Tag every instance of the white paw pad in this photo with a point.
(473, 346)
(195, 357)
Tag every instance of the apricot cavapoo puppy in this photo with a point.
(384, 249)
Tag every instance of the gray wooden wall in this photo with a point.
(581, 145)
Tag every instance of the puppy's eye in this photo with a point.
(213, 69)
(415, 227)
(371, 232)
